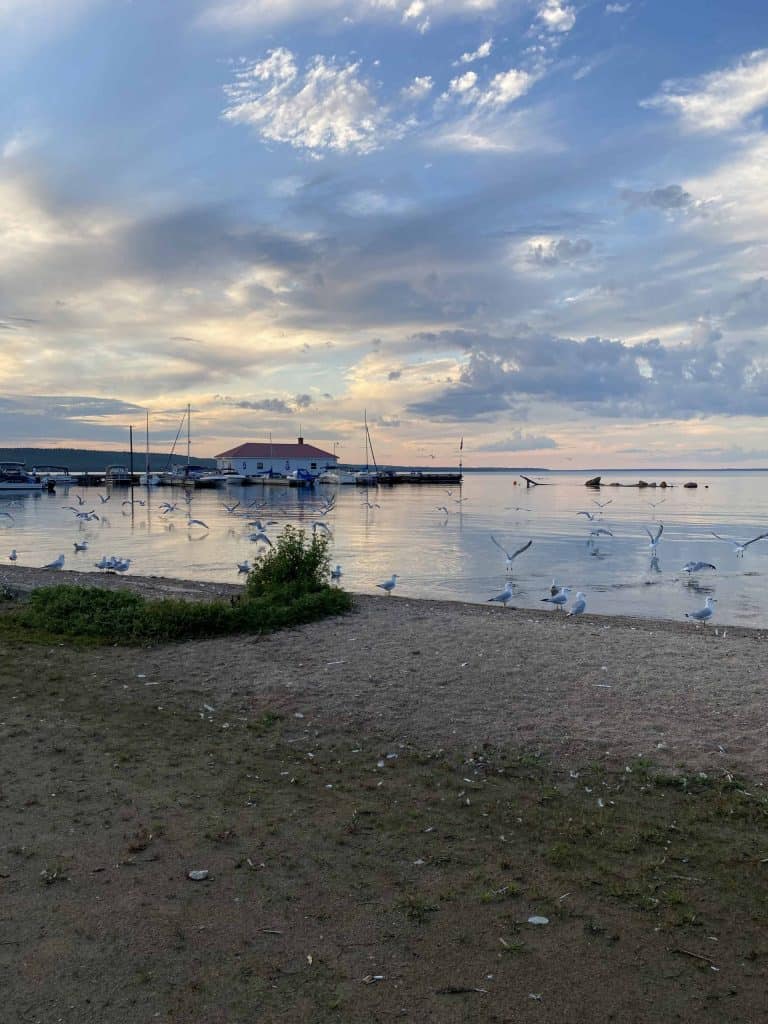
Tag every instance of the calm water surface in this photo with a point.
(438, 556)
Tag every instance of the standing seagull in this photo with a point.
(738, 547)
(504, 596)
(511, 555)
(13, 556)
(703, 614)
(57, 563)
(388, 585)
(654, 539)
(560, 599)
(579, 605)
(336, 573)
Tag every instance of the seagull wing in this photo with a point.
(760, 536)
(501, 548)
(520, 550)
(726, 539)
(589, 515)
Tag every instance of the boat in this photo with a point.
(150, 479)
(14, 477)
(117, 476)
(338, 477)
(184, 476)
(59, 474)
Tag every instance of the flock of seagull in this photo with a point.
(558, 597)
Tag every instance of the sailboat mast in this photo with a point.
(189, 432)
(147, 457)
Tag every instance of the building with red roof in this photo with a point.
(256, 457)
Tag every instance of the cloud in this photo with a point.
(749, 307)
(556, 17)
(563, 250)
(245, 14)
(719, 101)
(325, 107)
(519, 442)
(483, 51)
(419, 89)
(394, 375)
(463, 84)
(670, 197)
(603, 377)
(617, 8)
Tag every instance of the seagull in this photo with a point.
(654, 540)
(692, 567)
(104, 498)
(318, 525)
(654, 504)
(262, 526)
(460, 501)
(230, 508)
(504, 596)
(555, 588)
(602, 504)
(511, 555)
(703, 614)
(579, 605)
(197, 522)
(336, 573)
(442, 508)
(57, 563)
(388, 585)
(260, 536)
(80, 499)
(244, 566)
(739, 547)
(560, 599)
(329, 505)
(80, 546)
(167, 507)
(598, 531)
(590, 515)
(370, 504)
(13, 556)
(517, 508)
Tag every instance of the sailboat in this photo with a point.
(147, 478)
(368, 477)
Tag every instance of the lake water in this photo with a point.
(448, 557)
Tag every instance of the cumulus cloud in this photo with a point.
(326, 106)
(718, 101)
(556, 17)
(419, 89)
(483, 51)
(563, 250)
(749, 307)
(603, 377)
(519, 442)
(670, 197)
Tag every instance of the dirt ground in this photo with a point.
(382, 801)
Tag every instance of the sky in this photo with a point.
(537, 225)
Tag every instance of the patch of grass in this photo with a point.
(287, 587)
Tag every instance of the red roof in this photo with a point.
(259, 450)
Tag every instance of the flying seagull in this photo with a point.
(703, 614)
(602, 504)
(388, 585)
(692, 567)
(590, 515)
(197, 522)
(654, 539)
(739, 547)
(78, 546)
(511, 555)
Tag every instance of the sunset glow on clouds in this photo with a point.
(539, 225)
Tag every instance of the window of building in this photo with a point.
(313, 465)
(259, 465)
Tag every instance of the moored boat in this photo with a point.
(14, 477)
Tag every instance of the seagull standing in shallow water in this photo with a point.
(388, 585)
(703, 614)
(504, 596)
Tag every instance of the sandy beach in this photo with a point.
(461, 675)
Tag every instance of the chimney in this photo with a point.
(301, 440)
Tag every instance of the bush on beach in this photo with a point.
(287, 586)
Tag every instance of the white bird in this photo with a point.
(104, 498)
(318, 525)
(244, 566)
(560, 599)
(602, 504)
(388, 585)
(168, 506)
(579, 604)
(442, 508)
(13, 556)
(460, 501)
(511, 555)
(260, 536)
(600, 531)
(691, 567)
(555, 588)
(739, 547)
(504, 596)
(654, 539)
(80, 546)
(336, 573)
(262, 526)
(80, 499)
(703, 614)
(57, 563)
(370, 504)
(655, 504)
(590, 515)
(230, 508)
(197, 522)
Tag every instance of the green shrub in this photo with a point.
(294, 565)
